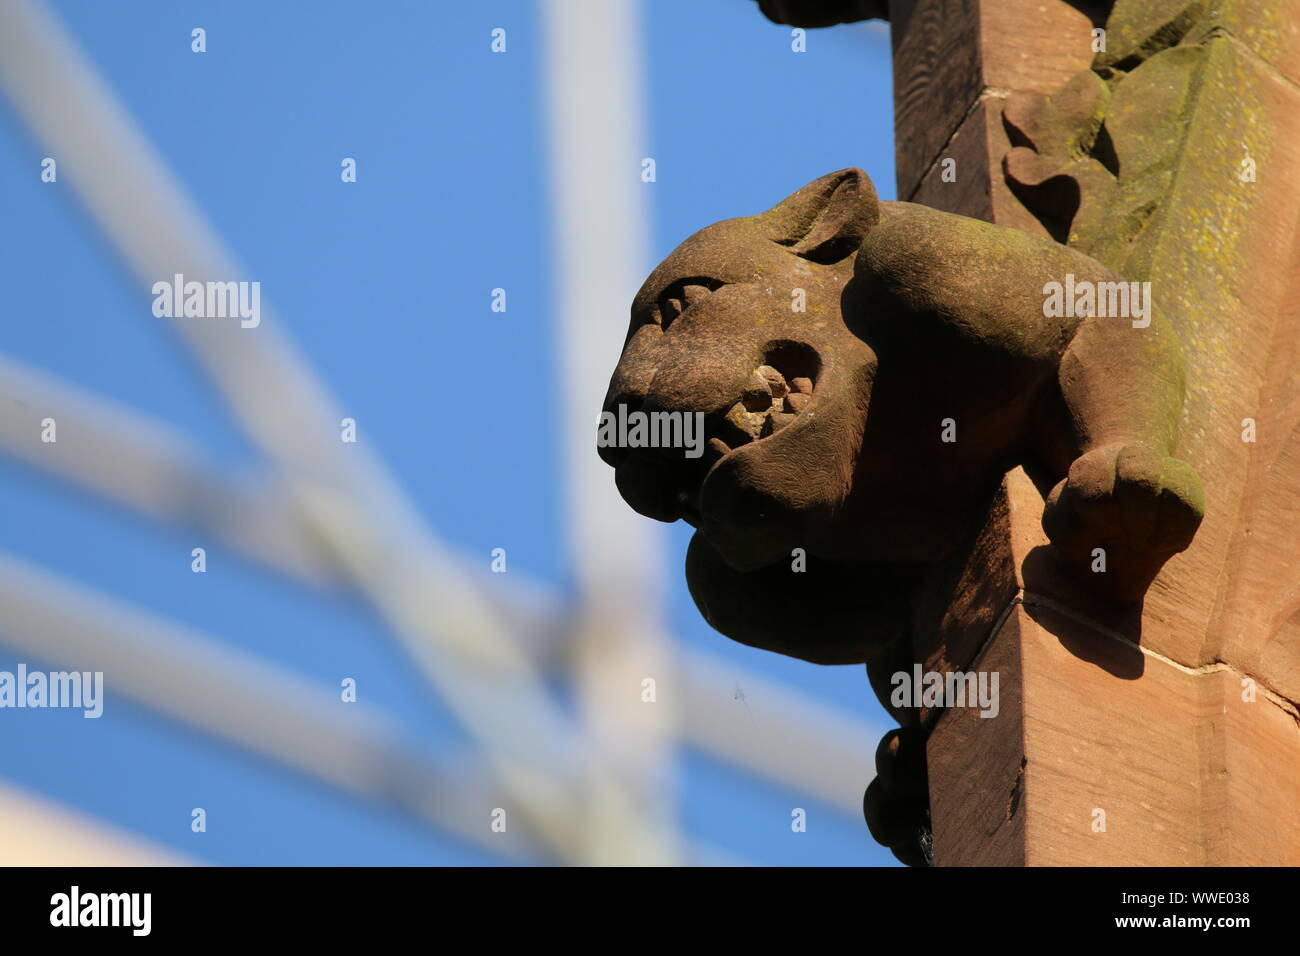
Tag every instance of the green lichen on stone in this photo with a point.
(1261, 26)
(1163, 191)
(1138, 29)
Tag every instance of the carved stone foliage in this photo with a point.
(1094, 160)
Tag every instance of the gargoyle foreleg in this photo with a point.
(1126, 504)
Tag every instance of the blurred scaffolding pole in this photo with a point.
(259, 707)
(326, 511)
(35, 832)
(143, 464)
(626, 679)
(445, 624)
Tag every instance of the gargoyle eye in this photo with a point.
(833, 250)
(682, 295)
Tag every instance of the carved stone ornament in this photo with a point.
(866, 373)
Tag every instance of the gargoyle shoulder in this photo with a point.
(924, 271)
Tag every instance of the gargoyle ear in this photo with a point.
(827, 220)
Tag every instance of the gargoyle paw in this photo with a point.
(1120, 514)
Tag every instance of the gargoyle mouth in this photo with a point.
(682, 295)
(770, 403)
(778, 392)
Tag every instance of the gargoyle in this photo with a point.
(866, 373)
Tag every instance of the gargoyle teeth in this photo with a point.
(758, 395)
(776, 383)
(768, 403)
(780, 419)
(748, 422)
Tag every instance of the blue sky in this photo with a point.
(383, 286)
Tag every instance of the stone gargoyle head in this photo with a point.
(864, 374)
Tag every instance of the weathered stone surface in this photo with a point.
(1191, 694)
(1103, 752)
(1175, 717)
(1200, 110)
(953, 58)
(1136, 31)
